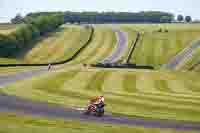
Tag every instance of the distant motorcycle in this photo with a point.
(95, 109)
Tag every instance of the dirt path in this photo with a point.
(121, 45)
(185, 53)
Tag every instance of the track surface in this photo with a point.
(121, 45)
(11, 78)
(24, 106)
(185, 53)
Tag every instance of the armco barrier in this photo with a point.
(128, 66)
(56, 63)
(132, 48)
(194, 66)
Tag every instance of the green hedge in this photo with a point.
(13, 43)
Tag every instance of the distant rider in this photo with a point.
(49, 67)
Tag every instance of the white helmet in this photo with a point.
(102, 98)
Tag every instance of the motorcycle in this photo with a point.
(95, 109)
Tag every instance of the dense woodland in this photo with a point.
(105, 17)
(28, 31)
(117, 17)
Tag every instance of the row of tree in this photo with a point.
(181, 18)
(119, 17)
(31, 29)
(109, 17)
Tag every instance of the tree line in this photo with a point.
(181, 18)
(30, 29)
(105, 17)
(110, 17)
(119, 17)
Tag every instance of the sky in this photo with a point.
(9, 8)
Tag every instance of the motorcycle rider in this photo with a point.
(49, 67)
(97, 100)
(96, 105)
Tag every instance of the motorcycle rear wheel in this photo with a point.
(100, 113)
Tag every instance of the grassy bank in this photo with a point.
(169, 41)
(55, 46)
(159, 94)
(10, 123)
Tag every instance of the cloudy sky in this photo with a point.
(9, 8)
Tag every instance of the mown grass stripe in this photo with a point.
(50, 83)
(80, 80)
(129, 83)
(106, 47)
(166, 51)
(194, 86)
(151, 107)
(145, 48)
(30, 124)
(138, 55)
(89, 50)
(178, 86)
(161, 103)
(101, 44)
(171, 42)
(119, 106)
(157, 51)
(155, 110)
(144, 83)
(131, 38)
(149, 48)
(161, 85)
(197, 68)
(58, 46)
(158, 98)
(133, 104)
(113, 82)
(175, 95)
(92, 56)
(53, 83)
(83, 36)
(96, 84)
(190, 61)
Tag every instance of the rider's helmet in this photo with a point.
(102, 98)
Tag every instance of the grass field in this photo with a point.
(190, 61)
(59, 45)
(101, 46)
(13, 70)
(153, 44)
(65, 42)
(9, 60)
(132, 34)
(159, 94)
(7, 28)
(10, 123)
(136, 93)
(56, 46)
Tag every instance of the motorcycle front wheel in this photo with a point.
(100, 112)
